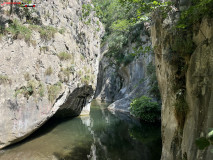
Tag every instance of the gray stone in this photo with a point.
(177, 143)
(26, 98)
(121, 84)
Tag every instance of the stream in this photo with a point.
(102, 135)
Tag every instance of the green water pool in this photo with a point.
(102, 135)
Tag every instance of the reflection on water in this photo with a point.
(100, 136)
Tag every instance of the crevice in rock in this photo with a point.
(75, 102)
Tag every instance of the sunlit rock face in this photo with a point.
(180, 143)
(54, 55)
(121, 83)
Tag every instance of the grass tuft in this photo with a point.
(64, 56)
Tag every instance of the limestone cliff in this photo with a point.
(48, 63)
(185, 84)
(121, 83)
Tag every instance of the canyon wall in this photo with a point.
(185, 84)
(48, 64)
(119, 84)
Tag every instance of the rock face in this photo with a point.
(179, 140)
(75, 102)
(48, 63)
(122, 83)
(135, 83)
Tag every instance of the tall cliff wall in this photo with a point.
(48, 63)
(121, 83)
(185, 84)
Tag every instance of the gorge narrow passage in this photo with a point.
(100, 135)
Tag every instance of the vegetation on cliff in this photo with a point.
(119, 30)
(203, 142)
(124, 30)
(145, 109)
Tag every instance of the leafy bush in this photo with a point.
(203, 142)
(145, 109)
(121, 25)
(86, 10)
(115, 16)
(195, 13)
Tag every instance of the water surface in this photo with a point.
(100, 136)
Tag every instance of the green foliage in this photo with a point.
(109, 11)
(61, 31)
(116, 18)
(67, 72)
(128, 59)
(145, 109)
(121, 25)
(31, 89)
(47, 32)
(49, 71)
(203, 142)
(17, 29)
(64, 56)
(28, 90)
(122, 22)
(181, 108)
(85, 79)
(20, 31)
(82, 57)
(146, 7)
(80, 73)
(195, 13)
(4, 79)
(41, 89)
(1, 36)
(86, 10)
(44, 49)
(64, 74)
(53, 91)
